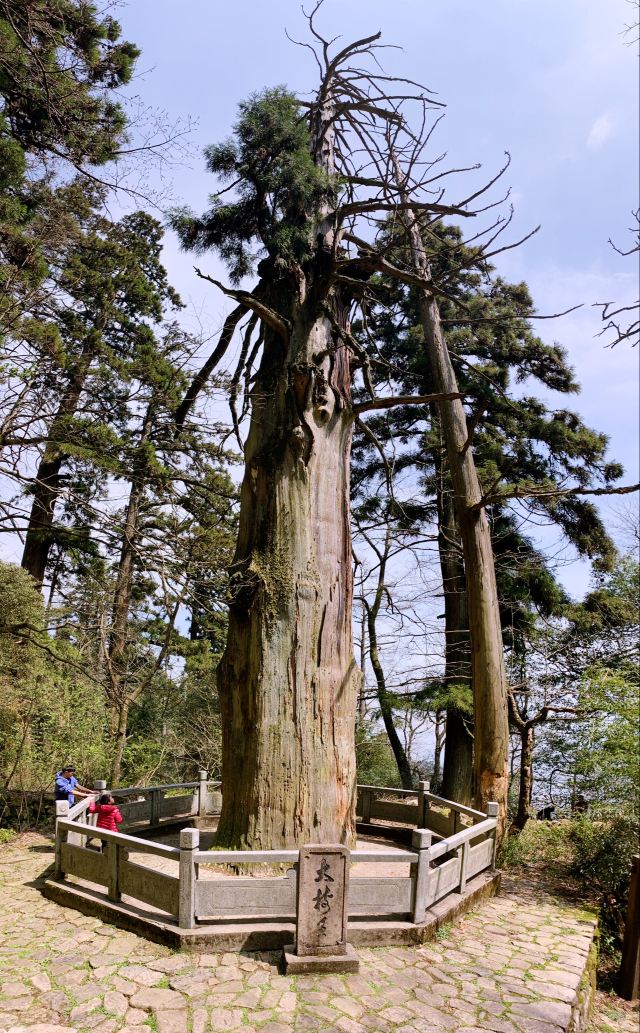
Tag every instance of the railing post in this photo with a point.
(630, 966)
(463, 856)
(423, 804)
(62, 811)
(367, 800)
(420, 841)
(202, 794)
(154, 815)
(113, 865)
(493, 810)
(189, 843)
(99, 786)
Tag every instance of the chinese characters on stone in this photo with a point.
(324, 896)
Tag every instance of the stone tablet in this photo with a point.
(323, 881)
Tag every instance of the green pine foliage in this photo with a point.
(279, 190)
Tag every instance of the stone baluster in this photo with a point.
(423, 804)
(189, 844)
(202, 794)
(62, 811)
(493, 810)
(421, 841)
(113, 866)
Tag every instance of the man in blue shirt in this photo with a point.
(67, 786)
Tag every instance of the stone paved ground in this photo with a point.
(512, 966)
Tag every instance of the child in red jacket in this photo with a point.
(109, 816)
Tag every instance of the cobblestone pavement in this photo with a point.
(512, 966)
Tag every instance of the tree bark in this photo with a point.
(119, 732)
(288, 681)
(527, 742)
(119, 693)
(487, 664)
(46, 490)
(457, 776)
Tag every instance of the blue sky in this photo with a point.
(551, 81)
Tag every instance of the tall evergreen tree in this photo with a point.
(109, 292)
(288, 680)
(518, 441)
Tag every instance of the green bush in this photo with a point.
(547, 844)
(602, 862)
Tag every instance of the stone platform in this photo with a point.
(521, 962)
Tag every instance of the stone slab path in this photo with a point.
(512, 966)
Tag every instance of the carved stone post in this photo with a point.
(99, 786)
(423, 804)
(189, 843)
(113, 863)
(202, 794)
(156, 805)
(421, 841)
(321, 913)
(62, 811)
(493, 811)
(463, 854)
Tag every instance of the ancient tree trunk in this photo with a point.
(487, 665)
(288, 681)
(457, 774)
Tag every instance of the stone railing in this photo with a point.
(419, 808)
(437, 865)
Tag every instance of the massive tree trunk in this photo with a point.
(487, 663)
(288, 681)
(457, 776)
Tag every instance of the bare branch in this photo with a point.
(250, 301)
(393, 400)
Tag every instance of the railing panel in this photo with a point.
(140, 846)
(389, 810)
(440, 801)
(135, 810)
(151, 887)
(86, 864)
(438, 822)
(250, 897)
(388, 791)
(443, 880)
(383, 896)
(470, 835)
(480, 857)
(176, 805)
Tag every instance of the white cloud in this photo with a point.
(601, 131)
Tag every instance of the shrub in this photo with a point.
(602, 863)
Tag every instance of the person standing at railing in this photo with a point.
(108, 812)
(67, 786)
